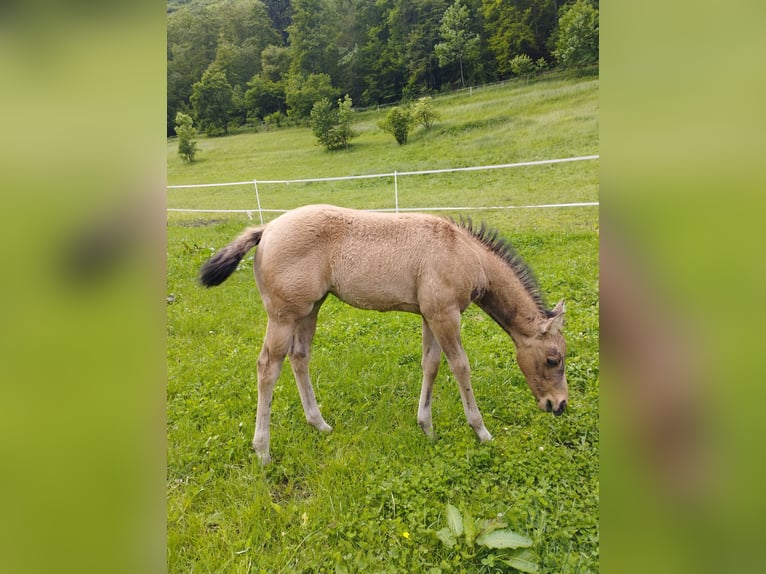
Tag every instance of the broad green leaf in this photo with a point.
(522, 561)
(454, 520)
(490, 525)
(504, 539)
(447, 537)
(469, 528)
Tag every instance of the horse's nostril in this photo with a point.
(548, 405)
(560, 409)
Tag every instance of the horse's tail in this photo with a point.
(218, 268)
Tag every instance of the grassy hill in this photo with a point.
(493, 125)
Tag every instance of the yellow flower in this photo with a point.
(406, 534)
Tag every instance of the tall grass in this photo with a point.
(370, 496)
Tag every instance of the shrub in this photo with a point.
(332, 126)
(424, 113)
(398, 123)
(187, 147)
(275, 119)
(522, 66)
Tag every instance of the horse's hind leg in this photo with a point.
(275, 346)
(430, 363)
(445, 326)
(300, 354)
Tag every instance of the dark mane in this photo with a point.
(491, 239)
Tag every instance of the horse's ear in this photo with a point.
(556, 321)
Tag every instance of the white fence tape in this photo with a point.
(391, 209)
(395, 175)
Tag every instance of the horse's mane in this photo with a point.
(492, 240)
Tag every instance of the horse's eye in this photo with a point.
(552, 361)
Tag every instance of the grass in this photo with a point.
(371, 495)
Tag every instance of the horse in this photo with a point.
(419, 263)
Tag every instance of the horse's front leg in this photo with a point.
(446, 329)
(430, 364)
(275, 346)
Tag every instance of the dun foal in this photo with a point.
(407, 262)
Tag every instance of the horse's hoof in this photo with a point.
(323, 427)
(263, 456)
(429, 432)
(484, 436)
(264, 459)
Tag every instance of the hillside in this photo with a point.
(515, 122)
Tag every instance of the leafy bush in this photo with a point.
(332, 126)
(398, 123)
(424, 113)
(187, 147)
(522, 66)
(275, 119)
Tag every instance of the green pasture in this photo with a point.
(371, 495)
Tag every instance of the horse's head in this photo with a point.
(541, 359)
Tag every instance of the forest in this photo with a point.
(243, 62)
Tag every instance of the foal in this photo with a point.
(406, 262)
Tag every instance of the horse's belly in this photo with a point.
(378, 297)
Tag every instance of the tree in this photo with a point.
(313, 33)
(577, 38)
(302, 91)
(212, 99)
(228, 34)
(191, 46)
(332, 126)
(423, 112)
(323, 119)
(458, 43)
(514, 27)
(264, 97)
(275, 63)
(187, 147)
(384, 66)
(398, 123)
(345, 111)
(413, 27)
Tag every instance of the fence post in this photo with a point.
(396, 192)
(258, 199)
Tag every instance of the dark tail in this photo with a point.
(218, 268)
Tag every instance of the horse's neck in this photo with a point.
(507, 301)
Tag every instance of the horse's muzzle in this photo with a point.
(559, 410)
